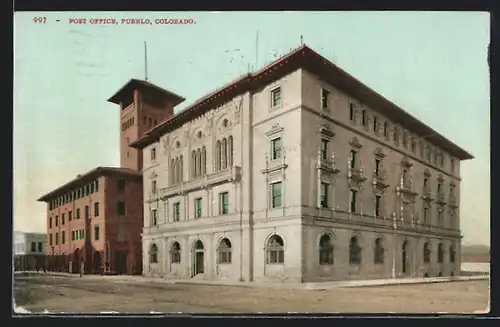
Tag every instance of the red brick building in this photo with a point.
(97, 218)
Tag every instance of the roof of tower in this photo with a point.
(142, 86)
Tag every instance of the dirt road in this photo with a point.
(81, 295)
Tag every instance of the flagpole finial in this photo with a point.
(301, 40)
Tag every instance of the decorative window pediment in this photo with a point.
(275, 130)
(405, 162)
(153, 174)
(326, 132)
(440, 178)
(427, 172)
(355, 143)
(379, 153)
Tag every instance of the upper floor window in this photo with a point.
(324, 195)
(325, 98)
(120, 185)
(375, 124)
(177, 211)
(153, 217)
(352, 159)
(276, 97)
(276, 148)
(276, 195)
(40, 247)
(352, 114)
(96, 209)
(352, 201)
(153, 187)
(452, 165)
(441, 160)
(197, 208)
(324, 149)
(224, 203)
(33, 246)
(405, 140)
(153, 154)
(386, 129)
(377, 205)
(364, 119)
(413, 145)
(96, 233)
(120, 208)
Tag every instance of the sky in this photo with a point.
(433, 64)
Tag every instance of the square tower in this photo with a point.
(143, 106)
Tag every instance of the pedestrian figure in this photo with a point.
(82, 267)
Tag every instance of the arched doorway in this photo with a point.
(404, 257)
(96, 262)
(198, 258)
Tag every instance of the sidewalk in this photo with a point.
(299, 286)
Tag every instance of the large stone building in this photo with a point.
(299, 172)
(97, 217)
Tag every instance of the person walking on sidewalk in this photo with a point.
(82, 267)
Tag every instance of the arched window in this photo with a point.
(225, 251)
(452, 254)
(230, 151)
(325, 250)
(218, 155)
(172, 171)
(224, 154)
(354, 251)
(427, 253)
(175, 253)
(153, 254)
(379, 251)
(275, 250)
(440, 253)
(204, 160)
(176, 173)
(198, 162)
(193, 163)
(181, 170)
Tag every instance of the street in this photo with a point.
(94, 295)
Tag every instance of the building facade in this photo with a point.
(300, 173)
(29, 251)
(96, 219)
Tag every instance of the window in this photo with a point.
(70, 215)
(153, 154)
(225, 251)
(120, 185)
(153, 254)
(96, 209)
(155, 122)
(78, 213)
(83, 234)
(354, 251)
(396, 135)
(452, 165)
(325, 250)
(352, 115)
(440, 218)
(352, 201)
(50, 222)
(40, 247)
(452, 254)
(427, 253)
(57, 220)
(50, 239)
(63, 237)
(73, 235)
(276, 97)
(276, 148)
(275, 250)
(122, 233)
(426, 216)
(379, 251)
(57, 238)
(377, 205)
(96, 233)
(324, 195)
(386, 129)
(352, 159)
(177, 211)
(150, 122)
(375, 124)
(96, 186)
(197, 208)
(364, 121)
(223, 203)
(153, 217)
(120, 208)
(405, 140)
(175, 253)
(377, 167)
(440, 253)
(325, 98)
(324, 149)
(87, 212)
(33, 246)
(62, 219)
(153, 187)
(276, 195)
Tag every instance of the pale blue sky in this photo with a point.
(432, 64)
